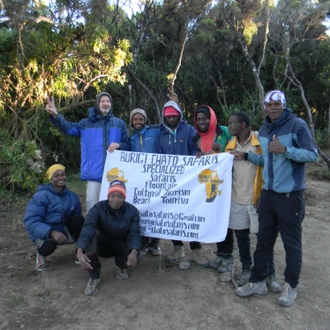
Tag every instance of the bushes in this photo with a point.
(322, 137)
(21, 165)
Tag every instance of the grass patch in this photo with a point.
(45, 290)
(74, 183)
(318, 173)
(14, 300)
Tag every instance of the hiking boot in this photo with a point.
(272, 284)
(216, 262)
(226, 266)
(91, 288)
(288, 295)
(177, 254)
(121, 273)
(199, 259)
(251, 288)
(40, 262)
(144, 249)
(155, 250)
(244, 277)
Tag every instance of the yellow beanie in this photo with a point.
(53, 169)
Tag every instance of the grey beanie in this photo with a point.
(97, 103)
(134, 112)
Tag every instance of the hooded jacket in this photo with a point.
(145, 139)
(257, 185)
(49, 210)
(285, 173)
(122, 225)
(96, 133)
(221, 135)
(181, 141)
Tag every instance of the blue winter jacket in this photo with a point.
(144, 140)
(50, 209)
(96, 133)
(180, 142)
(284, 173)
(122, 225)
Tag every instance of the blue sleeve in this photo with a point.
(193, 149)
(77, 209)
(35, 218)
(124, 140)
(255, 159)
(306, 151)
(89, 228)
(134, 238)
(73, 129)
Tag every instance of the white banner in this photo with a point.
(179, 197)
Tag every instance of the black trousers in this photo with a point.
(279, 213)
(72, 229)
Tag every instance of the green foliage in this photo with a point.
(22, 164)
(250, 29)
(322, 137)
(80, 48)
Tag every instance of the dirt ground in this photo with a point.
(158, 296)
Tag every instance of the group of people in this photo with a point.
(268, 182)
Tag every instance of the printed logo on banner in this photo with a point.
(212, 182)
(115, 174)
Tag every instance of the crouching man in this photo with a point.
(111, 229)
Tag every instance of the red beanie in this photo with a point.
(117, 186)
(170, 111)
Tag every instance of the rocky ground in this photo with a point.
(157, 295)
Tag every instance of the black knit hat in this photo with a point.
(205, 111)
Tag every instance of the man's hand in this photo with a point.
(200, 154)
(50, 107)
(113, 146)
(216, 147)
(257, 204)
(171, 95)
(276, 147)
(59, 237)
(85, 263)
(132, 258)
(238, 154)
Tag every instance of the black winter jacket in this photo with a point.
(122, 224)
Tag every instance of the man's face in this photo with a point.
(172, 121)
(105, 105)
(138, 121)
(234, 126)
(274, 109)
(58, 179)
(116, 200)
(202, 122)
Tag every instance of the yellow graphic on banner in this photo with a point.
(212, 184)
(115, 174)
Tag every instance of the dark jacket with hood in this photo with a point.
(49, 210)
(181, 141)
(96, 133)
(285, 173)
(122, 225)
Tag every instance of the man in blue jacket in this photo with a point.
(100, 132)
(287, 145)
(144, 139)
(177, 137)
